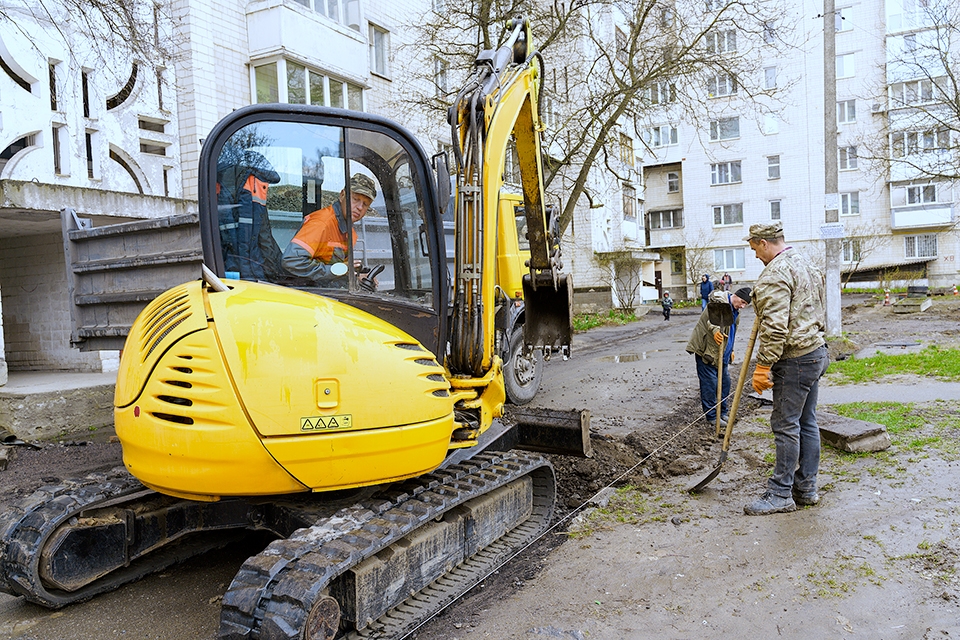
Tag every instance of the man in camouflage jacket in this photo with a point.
(791, 358)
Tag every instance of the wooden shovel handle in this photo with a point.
(740, 382)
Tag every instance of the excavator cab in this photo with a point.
(282, 178)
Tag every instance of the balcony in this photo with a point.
(929, 216)
(286, 28)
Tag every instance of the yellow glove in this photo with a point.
(718, 337)
(761, 379)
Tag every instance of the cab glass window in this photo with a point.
(323, 207)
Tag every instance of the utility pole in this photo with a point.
(831, 239)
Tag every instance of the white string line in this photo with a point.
(561, 520)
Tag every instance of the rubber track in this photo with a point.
(25, 527)
(273, 592)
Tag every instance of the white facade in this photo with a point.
(85, 125)
(772, 166)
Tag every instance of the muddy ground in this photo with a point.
(878, 558)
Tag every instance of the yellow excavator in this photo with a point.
(350, 402)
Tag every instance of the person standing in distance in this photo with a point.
(705, 288)
(791, 358)
(667, 303)
(705, 343)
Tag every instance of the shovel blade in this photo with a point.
(713, 474)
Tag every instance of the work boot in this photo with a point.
(806, 499)
(769, 503)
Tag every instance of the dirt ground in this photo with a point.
(878, 558)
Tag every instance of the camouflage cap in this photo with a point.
(765, 231)
(363, 185)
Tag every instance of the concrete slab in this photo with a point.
(889, 349)
(912, 305)
(44, 405)
(847, 434)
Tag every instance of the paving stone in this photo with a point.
(848, 434)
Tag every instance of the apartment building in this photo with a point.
(85, 125)
(706, 183)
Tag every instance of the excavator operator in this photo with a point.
(321, 242)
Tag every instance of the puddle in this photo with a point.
(629, 357)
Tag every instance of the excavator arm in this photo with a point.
(499, 105)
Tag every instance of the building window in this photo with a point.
(769, 33)
(52, 70)
(727, 214)
(921, 246)
(845, 66)
(913, 92)
(661, 136)
(728, 259)
(661, 92)
(722, 41)
(667, 17)
(673, 182)
(773, 167)
(346, 12)
(850, 203)
(913, 195)
(721, 84)
(910, 42)
(440, 70)
(379, 51)
(623, 48)
(305, 86)
(851, 250)
(769, 77)
(676, 264)
(921, 194)
(725, 172)
(908, 143)
(626, 150)
(774, 209)
(160, 89)
(266, 80)
(629, 202)
(296, 83)
(846, 111)
(848, 158)
(153, 148)
(671, 219)
(548, 114)
(85, 92)
(55, 140)
(88, 149)
(166, 181)
(843, 21)
(725, 129)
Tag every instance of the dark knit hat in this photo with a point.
(743, 293)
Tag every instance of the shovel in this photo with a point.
(733, 409)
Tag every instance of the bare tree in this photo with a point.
(133, 28)
(859, 244)
(698, 258)
(612, 59)
(626, 275)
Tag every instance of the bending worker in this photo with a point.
(791, 358)
(321, 241)
(705, 344)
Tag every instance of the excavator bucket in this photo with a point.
(548, 324)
